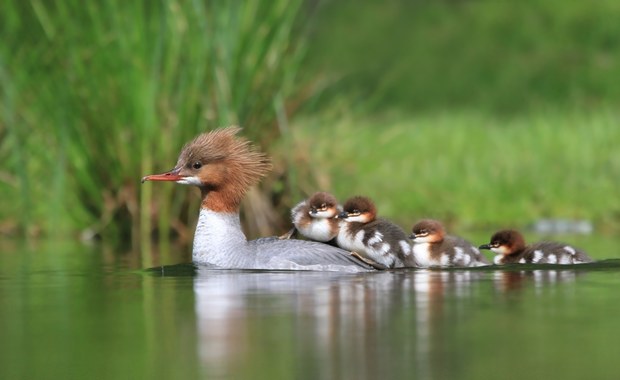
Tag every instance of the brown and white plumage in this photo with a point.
(376, 239)
(510, 247)
(316, 217)
(432, 247)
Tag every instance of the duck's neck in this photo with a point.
(509, 258)
(220, 241)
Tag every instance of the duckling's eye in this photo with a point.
(197, 165)
(323, 205)
(356, 211)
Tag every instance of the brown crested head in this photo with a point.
(322, 201)
(506, 242)
(222, 165)
(429, 229)
(359, 208)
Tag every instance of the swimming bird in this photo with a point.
(432, 247)
(510, 247)
(376, 240)
(224, 166)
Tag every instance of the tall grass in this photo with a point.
(95, 94)
(473, 170)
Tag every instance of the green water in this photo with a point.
(69, 311)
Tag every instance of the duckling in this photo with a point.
(315, 218)
(432, 247)
(510, 247)
(377, 240)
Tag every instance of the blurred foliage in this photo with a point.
(479, 113)
(95, 95)
(497, 56)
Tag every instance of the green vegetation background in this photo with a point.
(480, 113)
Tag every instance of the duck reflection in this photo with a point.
(328, 325)
(337, 325)
(510, 281)
(422, 323)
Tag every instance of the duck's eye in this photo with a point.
(323, 205)
(356, 211)
(197, 165)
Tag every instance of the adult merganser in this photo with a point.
(509, 245)
(377, 240)
(315, 217)
(223, 166)
(432, 247)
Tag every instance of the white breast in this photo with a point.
(422, 254)
(320, 230)
(220, 241)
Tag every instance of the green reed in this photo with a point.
(96, 94)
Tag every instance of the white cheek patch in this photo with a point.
(358, 218)
(501, 250)
(193, 180)
(323, 214)
(423, 239)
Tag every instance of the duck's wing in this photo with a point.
(476, 258)
(557, 253)
(273, 253)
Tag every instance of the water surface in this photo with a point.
(71, 311)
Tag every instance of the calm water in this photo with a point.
(72, 311)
